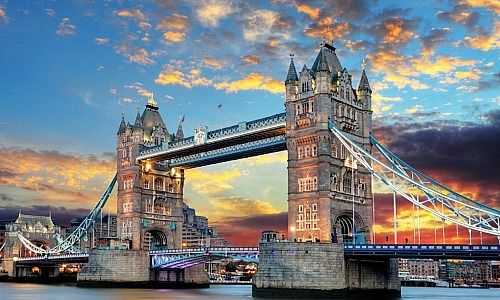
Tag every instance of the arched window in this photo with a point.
(146, 184)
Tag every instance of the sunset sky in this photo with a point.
(69, 69)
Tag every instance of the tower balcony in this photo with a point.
(347, 124)
(305, 120)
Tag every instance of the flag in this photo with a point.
(219, 106)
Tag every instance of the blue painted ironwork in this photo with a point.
(253, 147)
(183, 258)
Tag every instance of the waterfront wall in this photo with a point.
(319, 270)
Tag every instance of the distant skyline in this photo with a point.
(71, 68)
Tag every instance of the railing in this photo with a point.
(52, 257)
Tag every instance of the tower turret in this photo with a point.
(121, 129)
(179, 135)
(323, 74)
(364, 90)
(292, 81)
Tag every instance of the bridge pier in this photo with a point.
(319, 270)
(131, 268)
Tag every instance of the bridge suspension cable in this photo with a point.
(438, 200)
(67, 244)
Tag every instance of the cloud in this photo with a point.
(213, 63)
(210, 12)
(50, 12)
(69, 179)
(101, 41)
(131, 13)
(263, 23)
(401, 82)
(329, 28)
(141, 56)
(381, 103)
(357, 45)
(440, 65)
(3, 15)
(171, 75)
(139, 88)
(492, 5)
(396, 30)
(460, 14)
(433, 39)
(65, 28)
(174, 37)
(249, 59)
(312, 12)
(485, 41)
(348, 9)
(253, 81)
(414, 109)
(174, 22)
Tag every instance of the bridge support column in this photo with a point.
(116, 268)
(319, 270)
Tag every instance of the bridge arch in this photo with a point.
(155, 239)
(344, 224)
(38, 242)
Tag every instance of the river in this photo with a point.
(22, 291)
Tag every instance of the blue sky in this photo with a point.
(71, 68)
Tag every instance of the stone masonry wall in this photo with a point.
(116, 266)
(300, 266)
(373, 274)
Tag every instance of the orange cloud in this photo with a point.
(492, 5)
(312, 12)
(172, 76)
(174, 37)
(328, 28)
(402, 82)
(441, 65)
(253, 81)
(396, 31)
(174, 22)
(249, 60)
(213, 63)
(131, 13)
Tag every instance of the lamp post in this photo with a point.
(292, 233)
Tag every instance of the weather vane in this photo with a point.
(363, 64)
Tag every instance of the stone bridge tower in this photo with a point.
(323, 180)
(150, 195)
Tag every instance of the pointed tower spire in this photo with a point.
(138, 120)
(179, 135)
(292, 73)
(363, 82)
(122, 127)
(323, 63)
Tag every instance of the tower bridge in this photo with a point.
(332, 160)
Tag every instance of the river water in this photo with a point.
(24, 291)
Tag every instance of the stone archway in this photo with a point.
(346, 228)
(154, 239)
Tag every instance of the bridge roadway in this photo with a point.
(182, 258)
(242, 140)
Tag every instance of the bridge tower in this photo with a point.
(324, 183)
(149, 204)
